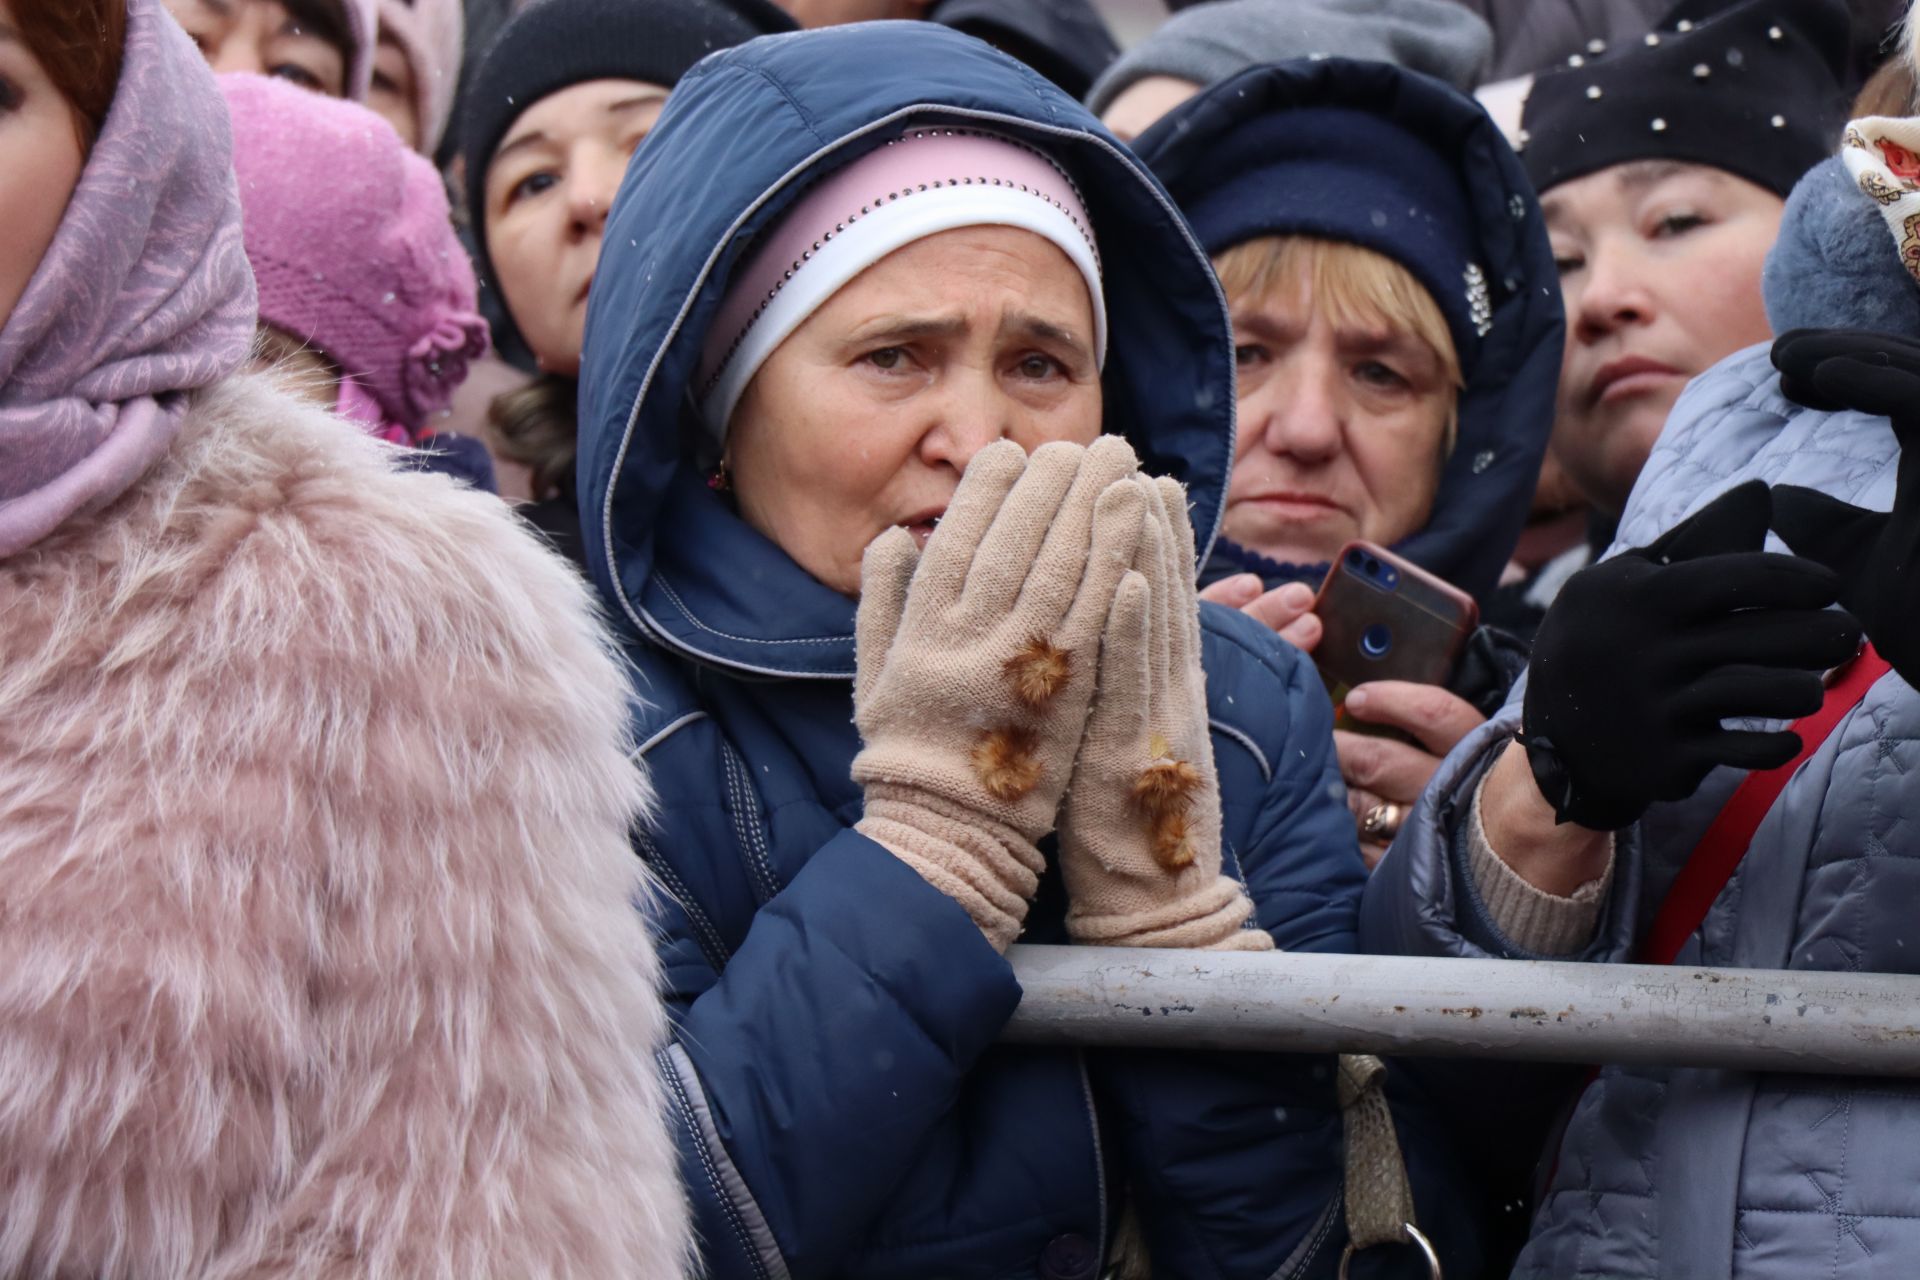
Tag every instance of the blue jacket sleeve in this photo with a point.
(810, 1060)
(1234, 1160)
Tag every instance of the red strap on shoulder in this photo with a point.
(1726, 841)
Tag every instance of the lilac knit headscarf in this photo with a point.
(143, 296)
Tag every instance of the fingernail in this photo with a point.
(1296, 595)
(1357, 699)
(1245, 584)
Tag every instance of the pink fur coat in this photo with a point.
(319, 949)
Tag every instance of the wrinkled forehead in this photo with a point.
(965, 272)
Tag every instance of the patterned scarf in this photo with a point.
(1883, 155)
(143, 296)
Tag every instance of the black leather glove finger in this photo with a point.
(1799, 353)
(1738, 749)
(1614, 718)
(1805, 638)
(1763, 692)
(1824, 528)
(1719, 585)
(1735, 521)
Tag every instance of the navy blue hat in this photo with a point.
(1355, 176)
(1342, 149)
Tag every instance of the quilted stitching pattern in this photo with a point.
(1830, 1177)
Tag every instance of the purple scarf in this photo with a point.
(143, 296)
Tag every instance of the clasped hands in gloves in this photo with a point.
(1037, 668)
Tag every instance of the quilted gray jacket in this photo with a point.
(1702, 1174)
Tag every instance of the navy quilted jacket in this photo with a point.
(843, 1108)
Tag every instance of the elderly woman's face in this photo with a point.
(296, 42)
(40, 147)
(866, 416)
(548, 189)
(1342, 429)
(1660, 268)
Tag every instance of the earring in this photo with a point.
(720, 480)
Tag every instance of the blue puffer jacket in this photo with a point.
(1703, 1174)
(1506, 408)
(843, 1109)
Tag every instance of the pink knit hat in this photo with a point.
(349, 238)
(927, 181)
(432, 33)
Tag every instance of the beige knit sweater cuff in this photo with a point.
(1537, 921)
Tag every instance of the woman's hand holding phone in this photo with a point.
(1386, 772)
(1286, 610)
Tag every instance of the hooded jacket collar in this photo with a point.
(1506, 410)
(743, 134)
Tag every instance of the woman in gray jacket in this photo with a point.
(1572, 825)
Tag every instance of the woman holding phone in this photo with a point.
(1397, 330)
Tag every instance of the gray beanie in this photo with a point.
(1210, 42)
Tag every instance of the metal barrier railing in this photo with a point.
(1748, 1019)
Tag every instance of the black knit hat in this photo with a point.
(1754, 90)
(552, 44)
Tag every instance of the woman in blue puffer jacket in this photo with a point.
(846, 267)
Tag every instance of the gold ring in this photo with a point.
(1381, 823)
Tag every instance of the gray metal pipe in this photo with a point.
(1747, 1019)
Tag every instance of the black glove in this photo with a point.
(1643, 655)
(1876, 554)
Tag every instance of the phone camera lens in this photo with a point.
(1376, 640)
(1355, 559)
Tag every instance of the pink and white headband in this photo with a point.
(928, 181)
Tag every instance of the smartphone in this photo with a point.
(1385, 618)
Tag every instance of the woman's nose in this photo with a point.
(236, 52)
(1299, 410)
(968, 410)
(1615, 291)
(593, 180)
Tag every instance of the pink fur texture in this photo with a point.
(319, 949)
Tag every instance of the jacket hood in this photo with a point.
(743, 135)
(1506, 409)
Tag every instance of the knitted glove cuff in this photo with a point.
(989, 869)
(1211, 916)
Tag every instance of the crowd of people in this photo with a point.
(575, 573)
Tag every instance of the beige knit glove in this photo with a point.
(976, 665)
(1140, 836)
